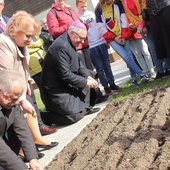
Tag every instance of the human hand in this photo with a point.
(145, 31)
(139, 30)
(35, 165)
(27, 107)
(132, 27)
(120, 41)
(91, 83)
(123, 41)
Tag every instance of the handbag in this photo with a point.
(145, 15)
(110, 22)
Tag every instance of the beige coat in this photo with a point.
(11, 57)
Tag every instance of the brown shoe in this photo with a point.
(45, 130)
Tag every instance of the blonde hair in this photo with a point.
(21, 21)
(83, 1)
(101, 4)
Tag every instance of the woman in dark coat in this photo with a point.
(160, 25)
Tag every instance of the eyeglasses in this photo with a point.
(81, 38)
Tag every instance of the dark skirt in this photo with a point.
(160, 27)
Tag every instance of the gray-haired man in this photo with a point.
(66, 84)
(12, 122)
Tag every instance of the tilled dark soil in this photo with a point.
(133, 134)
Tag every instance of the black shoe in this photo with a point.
(115, 87)
(93, 110)
(144, 79)
(166, 73)
(47, 147)
(108, 91)
(135, 83)
(159, 75)
(101, 98)
(40, 155)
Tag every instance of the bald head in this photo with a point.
(44, 23)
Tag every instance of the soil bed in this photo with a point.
(133, 134)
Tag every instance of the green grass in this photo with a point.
(39, 101)
(128, 90)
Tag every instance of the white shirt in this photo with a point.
(94, 38)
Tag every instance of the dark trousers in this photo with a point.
(84, 56)
(13, 141)
(55, 118)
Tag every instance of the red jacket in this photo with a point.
(134, 34)
(59, 21)
(62, 21)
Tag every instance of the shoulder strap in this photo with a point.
(54, 13)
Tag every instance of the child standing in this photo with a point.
(98, 49)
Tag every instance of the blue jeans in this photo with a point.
(158, 62)
(100, 59)
(126, 54)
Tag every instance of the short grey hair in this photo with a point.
(77, 26)
(73, 28)
(9, 78)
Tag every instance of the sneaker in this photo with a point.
(144, 79)
(115, 87)
(151, 75)
(108, 91)
(135, 83)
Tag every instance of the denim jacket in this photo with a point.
(156, 6)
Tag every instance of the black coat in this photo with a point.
(47, 38)
(8, 159)
(64, 78)
(156, 6)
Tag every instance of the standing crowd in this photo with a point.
(67, 58)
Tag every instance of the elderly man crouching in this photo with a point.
(68, 87)
(12, 84)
